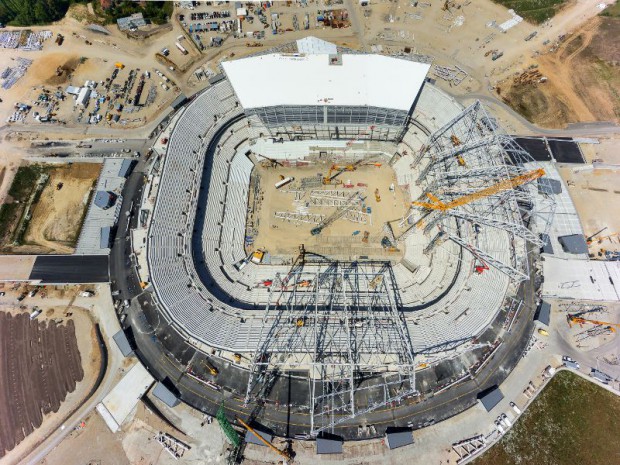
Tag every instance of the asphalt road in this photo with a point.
(63, 269)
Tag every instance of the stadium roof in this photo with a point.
(314, 45)
(323, 79)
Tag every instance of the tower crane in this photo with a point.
(436, 204)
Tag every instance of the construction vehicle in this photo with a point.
(210, 368)
(574, 319)
(436, 204)
(543, 332)
(272, 162)
(375, 282)
(257, 256)
(455, 140)
(339, 213)
(119, 65)
(377, 196)
(590, 239)
(329, 179)
(284, 182)
(237, 357)
(365, 237)
(283, 453)
(460, 160)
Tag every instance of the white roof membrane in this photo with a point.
(305, 80)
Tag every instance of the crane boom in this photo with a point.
(340, 211)
(436, 204)
(264, 441)
(579, 320)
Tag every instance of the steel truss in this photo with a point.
(468, 154)
(340, 323)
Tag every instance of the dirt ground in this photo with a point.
(58, 215)
(583, 79)
(282, 237)
(592, 193)
(56, 303)
(135, 444)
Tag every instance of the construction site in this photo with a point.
(344, 200)
(303, 249)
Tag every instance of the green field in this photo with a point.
(535, 11)
(572, 422)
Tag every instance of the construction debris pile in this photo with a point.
(12, 74)
(531, 76)
(24, 40)
(454, 76)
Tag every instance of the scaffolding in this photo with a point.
(469, 154)
(340, 324)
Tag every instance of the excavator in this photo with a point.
(436, 204)
(577, 320)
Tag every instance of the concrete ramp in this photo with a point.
(123, 398)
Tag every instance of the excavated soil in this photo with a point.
(39, 365)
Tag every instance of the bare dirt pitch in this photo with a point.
(343, 238)
(39, 365)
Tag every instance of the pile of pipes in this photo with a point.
(454, 75)
(12, 74)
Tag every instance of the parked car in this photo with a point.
(515, 408)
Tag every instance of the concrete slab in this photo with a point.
(16, 267)
(122, 399)
(581, 279)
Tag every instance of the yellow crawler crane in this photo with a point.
(436, 204)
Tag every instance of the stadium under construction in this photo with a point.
(391, 330)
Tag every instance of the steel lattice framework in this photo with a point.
(340, 322)
(468, 154)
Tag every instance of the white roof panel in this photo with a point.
(360, 80)
(314, 45)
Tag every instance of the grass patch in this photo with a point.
(612, 11)
(573, 421)
(534, 11)
(24, 182)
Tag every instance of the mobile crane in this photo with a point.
(288, 458)
(330, 179)
(574, 319)
(339, 213)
